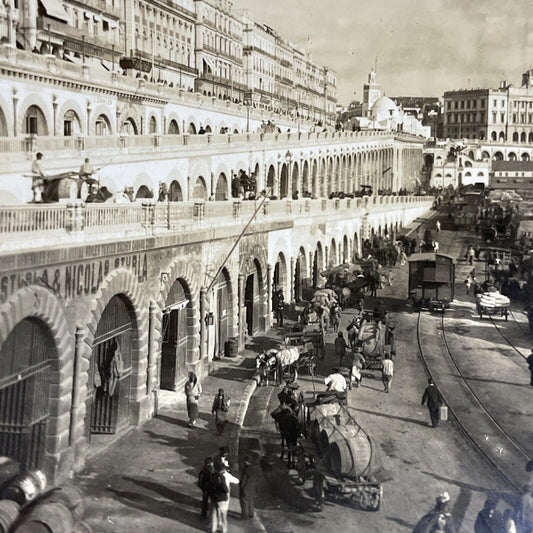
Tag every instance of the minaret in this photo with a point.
(371, 92)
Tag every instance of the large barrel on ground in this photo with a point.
(9, 468)
(329, 435)
(352, 456)
(71, 497)
(9, 511)
(26, 487)
(231, 347)
(47, 518)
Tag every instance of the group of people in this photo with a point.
(243, 187)
(215, 481)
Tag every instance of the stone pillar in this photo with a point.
(15, 117)
(203, 325)
(151, 377)
(241, 329)
(269, 297)
(54, 105)
(89, 111)
(291, 281)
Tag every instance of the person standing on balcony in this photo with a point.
(86, 170)
(38, 175)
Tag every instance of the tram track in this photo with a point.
(494, 443)
(504, 336)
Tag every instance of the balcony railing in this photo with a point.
(31, 225)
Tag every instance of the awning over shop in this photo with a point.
(55, 9)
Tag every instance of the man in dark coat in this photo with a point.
(247, 489)
(340, 348)
(204, 482)
(434, 401)
(530, 364)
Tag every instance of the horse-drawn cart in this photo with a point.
(375, 338)
(340, 458)
(492, 303)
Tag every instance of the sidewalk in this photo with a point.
(146, 481)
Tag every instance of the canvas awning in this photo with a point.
(55, 9)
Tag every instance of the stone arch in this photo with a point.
(356, 246)
(498, 156)
(188, 273)
(301, 275)
(314, 179)
(294, 179)
(284, 182)
(332, 254)
(525, 156)
(200, 189)
(65, 113)
(152, 123)
(530, 137)
(253, 269)
(318, 263)
(271, 180)
(129, 125)
(37, 302)
(175, 193)
(191, 129)
(173, 127)
(144, 192)
(305, 178)
(121, 282)
(511, 156)
(221, 192)
(345, 250)
(38, 102)
(280, 274)
(106, 113)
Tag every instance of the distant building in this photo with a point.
(504, 114)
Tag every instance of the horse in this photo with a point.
(266, 363)
(290, 427)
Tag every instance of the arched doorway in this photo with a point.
(152, 126)
(284, 182)
(110, 369)
(332, 259)
(355, 246)
(25, 377)
(301, 279)
(252, 297)
(35, 121)
(144, 192)
(71, 124)
(200, 189)
(129, 127)
(175, 335)
(294, 181)
(102, 126)
(174, 193)
(271, 176)
(318, 264)
(224, 312)
(345, 250)
(173, 128)
(279, 278)
(192, 129)
(221, 192)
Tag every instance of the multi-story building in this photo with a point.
(219, 50)
(504, 114)
(514, 176)
(160, 41)
(203, 46)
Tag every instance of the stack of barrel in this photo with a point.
(341, 440)
(28, 506)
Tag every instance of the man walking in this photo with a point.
(437, 224)
(387, 371)
(530, 364)
(434, 401)
(204, 482)
(247, 489)
(220, 495)
(340, 348)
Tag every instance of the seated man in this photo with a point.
(335, 382)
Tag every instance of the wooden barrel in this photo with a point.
(331, 434)
(9, 511)
(26, 487)
(71, 497)
(352, 456)
(67, 188)
(47, 518)
(232, 347)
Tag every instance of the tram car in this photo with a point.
(431, 281)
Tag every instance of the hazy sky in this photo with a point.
(423, 47)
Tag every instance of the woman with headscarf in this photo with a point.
(220, 409)
(193, 389)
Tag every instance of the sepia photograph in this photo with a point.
(266, 267)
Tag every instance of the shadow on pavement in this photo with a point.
(401, 418)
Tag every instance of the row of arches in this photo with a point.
(61, 367)
(34, 117)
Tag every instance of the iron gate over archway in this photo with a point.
(25, 392)
(108, 394)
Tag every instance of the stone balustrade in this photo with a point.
(33, 225)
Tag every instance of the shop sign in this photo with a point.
(74, 280)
